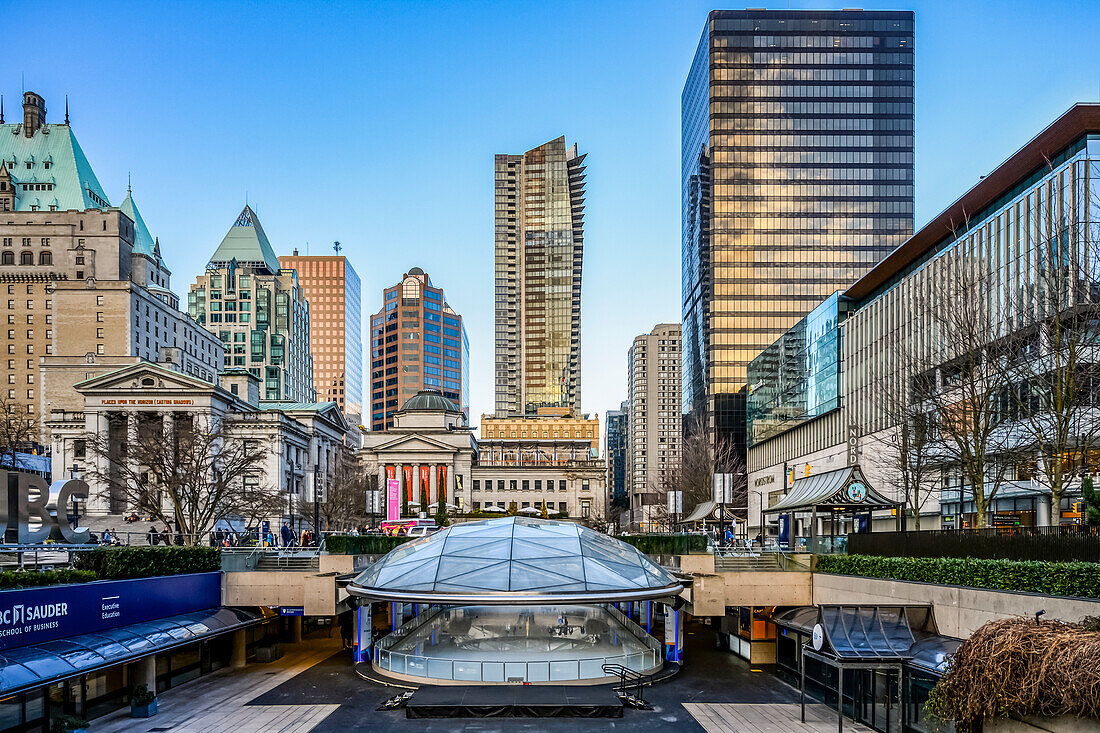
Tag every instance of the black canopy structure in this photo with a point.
(871, 637)
(845, 490)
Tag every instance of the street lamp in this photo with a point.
(74, 473)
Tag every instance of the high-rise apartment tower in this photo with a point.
(332, 288)
(797, 177)
(653, 420)
(539, 252)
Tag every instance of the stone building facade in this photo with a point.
(81, 280)
(305, 441)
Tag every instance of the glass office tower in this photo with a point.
(797, 177)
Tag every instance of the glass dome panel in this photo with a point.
(515, 560)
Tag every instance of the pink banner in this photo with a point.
(393, 499)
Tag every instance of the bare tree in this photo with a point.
(344, 502)
(198, 474)
(1052, 363)
(701, 456)
(18, 430)
(964, 386)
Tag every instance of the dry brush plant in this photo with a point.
(1017, 667)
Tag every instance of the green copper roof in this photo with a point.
(297, 406)
(247, 244)
(143, 240)
(68, 183)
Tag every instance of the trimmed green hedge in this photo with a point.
(668, 544)
(118, 563)
(1081, 579)
(364, 544)
(33, 578)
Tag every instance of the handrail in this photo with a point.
(626, 674)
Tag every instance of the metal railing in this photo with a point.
(1067, 543)
(472, 670)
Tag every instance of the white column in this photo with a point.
(96, 426)
(131, 462)
(416, 486)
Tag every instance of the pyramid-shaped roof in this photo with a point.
(247, 244)
(72, 182)
(143, 240)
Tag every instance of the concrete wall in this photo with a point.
(315, 593)
(959, 611)
(711, 593)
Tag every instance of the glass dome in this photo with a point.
(515, 561)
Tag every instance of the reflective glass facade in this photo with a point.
(417, 342)
(797, 177)
(798, 377)
(332, 288)
(539, 250)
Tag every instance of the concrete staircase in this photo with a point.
(748, 563)
(295, 563)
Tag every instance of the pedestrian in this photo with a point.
(151, 536)
(287, 535)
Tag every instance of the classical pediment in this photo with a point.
(414, 442)
(142, 377)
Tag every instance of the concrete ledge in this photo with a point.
(959, 610)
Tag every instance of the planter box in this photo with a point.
(143, 711)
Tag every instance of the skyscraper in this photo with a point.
(617, 426)
(332, 288)
(417, 342)
(258, 311)
(539, 252)
(653, 420)
(797, 177)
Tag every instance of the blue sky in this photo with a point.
(375, 124)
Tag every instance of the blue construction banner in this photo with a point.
(36, 615)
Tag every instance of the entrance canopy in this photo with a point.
(40, 664)
(863, 632)
(515, 561)
(843, 489)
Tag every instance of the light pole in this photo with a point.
(74, 473)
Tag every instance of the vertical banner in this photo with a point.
(393, 499)
(362, 633)
(441, 482)
(409, 482)
(785, 530)
(674, 638)
(425, 487)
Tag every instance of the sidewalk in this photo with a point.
(218, 703)
(767, 718)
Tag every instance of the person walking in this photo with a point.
(287, 535)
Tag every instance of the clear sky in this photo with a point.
(375, 124)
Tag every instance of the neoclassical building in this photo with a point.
(431, 445)
(305, 439)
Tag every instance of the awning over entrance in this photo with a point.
(866, 632)
(703, 510)
(844, 488)
(39, 664)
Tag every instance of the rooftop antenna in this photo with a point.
(337, 246)
(66, 109)
(1, 109)
(128, 190)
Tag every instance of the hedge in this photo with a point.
(364, 544)
(1081, 579)
(32, 578)
(118, 563)
(668, 544)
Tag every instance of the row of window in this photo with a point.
(27, 258)
(525, 485)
